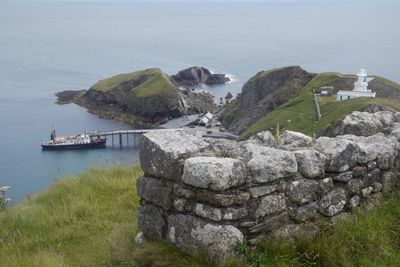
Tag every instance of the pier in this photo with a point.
(120, 135)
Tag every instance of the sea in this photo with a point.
(46, 47)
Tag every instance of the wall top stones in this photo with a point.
(210, 194)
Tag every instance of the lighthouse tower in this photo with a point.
(360, 88)
(361, 85)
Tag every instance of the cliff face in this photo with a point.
(146, 97)
(262, 94)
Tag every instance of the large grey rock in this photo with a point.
(294, 139)
(268, 164)
(162, 152)
(270, 204)
(361, 124)
(214, 173)
(342, 154)
(302, 191)
(264, 138)
(191, 234)
(376, 147)
(333, 202)
(158, 191)
(151, 222)
(386, 117)
(311, 163)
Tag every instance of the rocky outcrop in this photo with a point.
(198, 198)
(196, 75)
(146, 98)
(361, 123)
(291, 139)
(262, 94)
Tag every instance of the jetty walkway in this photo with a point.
(120, 134)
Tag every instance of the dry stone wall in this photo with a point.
(209, 194)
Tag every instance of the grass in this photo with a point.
(154, 82)
(371, 239)
(90, 220)
(299, 114)
(87, 220)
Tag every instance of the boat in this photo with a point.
(73, 142)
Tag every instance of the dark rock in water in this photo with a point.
(68, 96)
(228, 96)
(262, 94)
(195, 75)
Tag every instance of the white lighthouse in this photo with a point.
(360, 88)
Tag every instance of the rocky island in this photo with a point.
(147, 97)
(196, 75)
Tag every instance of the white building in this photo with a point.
(360, 88)
(206, 119)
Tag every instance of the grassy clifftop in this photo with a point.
(143, 83)
(143, 97)
(298, 114)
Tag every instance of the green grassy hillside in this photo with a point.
(298, 114)
(149, 82)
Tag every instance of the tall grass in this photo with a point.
(90, 220)
(87, 220)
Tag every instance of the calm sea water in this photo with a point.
(48, 47)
